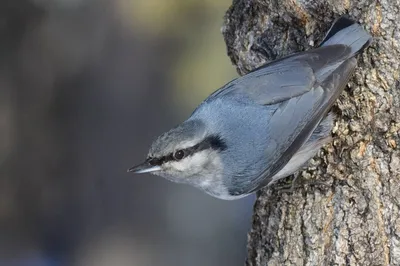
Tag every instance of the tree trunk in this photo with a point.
(347, 212)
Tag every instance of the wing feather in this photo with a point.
(302, 88)
(301, 119)
(286, 78)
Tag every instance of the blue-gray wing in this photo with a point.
(286, 78)
(296, 118)
(302, 89)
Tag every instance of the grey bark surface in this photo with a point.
(346, 210)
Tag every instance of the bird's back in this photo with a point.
(268, 115)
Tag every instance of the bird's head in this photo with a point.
(188, 153)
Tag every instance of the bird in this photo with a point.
(263, 126)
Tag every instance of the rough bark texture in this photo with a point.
(347, 212)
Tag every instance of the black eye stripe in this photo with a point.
(154, 161)
(211, 142)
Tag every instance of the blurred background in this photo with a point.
(85, 86)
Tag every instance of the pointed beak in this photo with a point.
(144, 168)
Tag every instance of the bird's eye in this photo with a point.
(178, 155)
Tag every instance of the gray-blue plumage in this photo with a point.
(270, 121)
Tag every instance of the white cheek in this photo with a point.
(193, 162)
(203, 170)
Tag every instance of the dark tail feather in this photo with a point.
(348, 32)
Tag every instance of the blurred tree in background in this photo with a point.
(85, 86)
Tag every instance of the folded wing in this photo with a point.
(301, 89)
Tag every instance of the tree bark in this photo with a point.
(347, 209)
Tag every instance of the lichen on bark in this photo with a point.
(347, 212)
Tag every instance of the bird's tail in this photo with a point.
(348, 32)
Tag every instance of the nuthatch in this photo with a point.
(263, 126)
